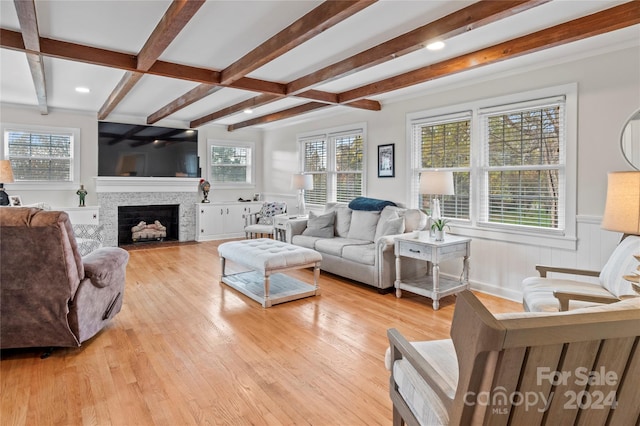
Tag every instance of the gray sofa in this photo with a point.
(359, 244)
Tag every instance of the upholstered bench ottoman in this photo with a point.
(267, 259)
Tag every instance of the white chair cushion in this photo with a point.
(537, 293)
(421, 399)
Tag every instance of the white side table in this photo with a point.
(280, 225)
(429, 250)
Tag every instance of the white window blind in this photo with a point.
(230, 164)
(523, 172)
(444, 143)
(349, 152)
(40, 156)
(335, 159)
(315, 163)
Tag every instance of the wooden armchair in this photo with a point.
(552, 294)
(522, 368)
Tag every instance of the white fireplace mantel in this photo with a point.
(146, 184)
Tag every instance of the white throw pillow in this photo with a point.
(363, 225)
(619, 264)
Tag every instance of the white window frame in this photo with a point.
(235, 144)
(327, 135)
(74, 180)
(565, 239)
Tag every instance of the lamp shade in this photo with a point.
(6, 172)
(622, 211)
(437, 183)
(302, 181)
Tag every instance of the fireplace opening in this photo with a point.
(140, 224)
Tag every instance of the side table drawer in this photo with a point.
(414, 250)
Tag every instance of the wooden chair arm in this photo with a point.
(543, 269)
(401, 348)
(565, 296)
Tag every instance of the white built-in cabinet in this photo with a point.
(215, 221)
(82, 215)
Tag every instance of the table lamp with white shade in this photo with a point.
(622, 211)
(6, 176)
(301, 183)
(436, 183)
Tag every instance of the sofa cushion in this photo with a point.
(619, 264)
(363, 225)
(364, 253)
(320, 226)
(369, 204)
(343, 218)
(389, 224)
(414, 220)
(305, 241)
(335, 246)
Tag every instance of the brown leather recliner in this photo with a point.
(50, 295)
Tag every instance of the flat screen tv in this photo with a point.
(146, 151)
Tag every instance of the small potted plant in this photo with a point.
(438, 226)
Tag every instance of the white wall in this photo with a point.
(88, 125)
(608, 92)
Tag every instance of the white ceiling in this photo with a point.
(223, 31)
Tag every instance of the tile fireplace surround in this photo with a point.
(125, 191)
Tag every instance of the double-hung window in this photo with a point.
(444, 143)
(335, 159)
(42, 156)
(523, 170)
(230, 164)
(513, 160)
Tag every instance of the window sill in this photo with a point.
(41, 186)
(563, 242)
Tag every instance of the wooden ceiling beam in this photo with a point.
(26, 10)
(125, 85)
(612, 19)
(456, 23)
(194, 95)
(173, 21)
(280, 115)
(310, 25)
(255, 102)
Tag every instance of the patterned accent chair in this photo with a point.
(260, 224)
(51, 295)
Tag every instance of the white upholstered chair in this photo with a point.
(521, 369)
(260, 224)
(552, 294)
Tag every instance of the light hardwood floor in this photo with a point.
(187, 350)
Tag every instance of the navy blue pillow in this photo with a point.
(369, 204)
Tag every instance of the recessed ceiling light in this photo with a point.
(436, 45)
(248, 111)
(82, 90)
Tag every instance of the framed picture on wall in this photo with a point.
(15, 201)
(386, 160)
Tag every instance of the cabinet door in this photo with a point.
(210, 221)
(235, 218)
